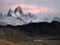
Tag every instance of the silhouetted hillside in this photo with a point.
(41, 29)
(11, 33)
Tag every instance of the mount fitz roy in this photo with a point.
(17, 17)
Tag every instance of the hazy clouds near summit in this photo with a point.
(5, 4)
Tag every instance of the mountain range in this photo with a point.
(36, 28)
(17, 17)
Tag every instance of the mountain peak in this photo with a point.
(9, 13)
(57, 19)
(18, 9)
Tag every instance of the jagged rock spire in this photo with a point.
(9, 13)
(18, 9)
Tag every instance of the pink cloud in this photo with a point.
(35, 9)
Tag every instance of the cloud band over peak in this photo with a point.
(35, 9)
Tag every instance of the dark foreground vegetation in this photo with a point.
(42, 29)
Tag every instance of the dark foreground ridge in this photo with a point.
(32, 30)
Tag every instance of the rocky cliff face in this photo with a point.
(9, 13)
(18, 9)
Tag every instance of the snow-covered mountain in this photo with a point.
(56, 19)
(18, 17)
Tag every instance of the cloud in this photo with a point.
(35, 9)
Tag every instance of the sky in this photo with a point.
(32, 6)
